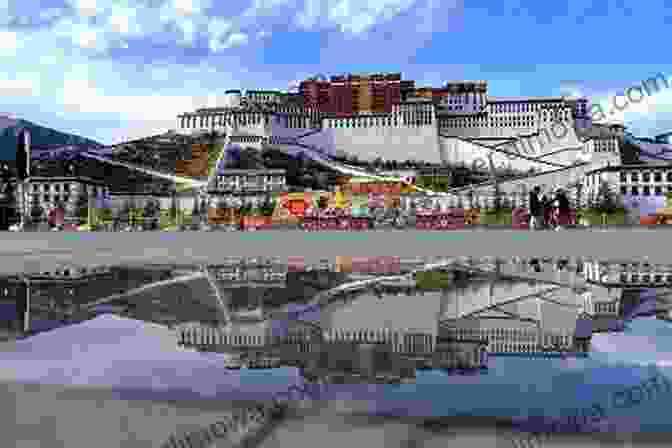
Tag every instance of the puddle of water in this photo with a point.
(107, 326)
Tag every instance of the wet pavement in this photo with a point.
(91, 354)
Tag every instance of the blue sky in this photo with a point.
(118, 69)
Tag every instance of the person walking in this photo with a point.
(536, 208)
(545, 210)
(563, 208)
(554, 207)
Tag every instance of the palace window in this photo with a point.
(657, 176)
(647, 190)
(634, 177)
(624, 190)
(634, 191)
(646, 177)
(669, 176)
(659, 190)
(624, 178)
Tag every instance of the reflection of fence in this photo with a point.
(513, 340)
(307, 339)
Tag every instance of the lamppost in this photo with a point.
(604, 177)
(23, 170)
(92, 199)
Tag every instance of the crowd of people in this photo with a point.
(549, 211)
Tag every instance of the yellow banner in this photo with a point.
(295, 196)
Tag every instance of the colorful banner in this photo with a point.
(392, 200)
(360, 204)
(375, 187)
(342, 199)
(376, 200)
(294, 203)
(369, 265)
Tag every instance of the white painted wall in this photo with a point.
(391, 143)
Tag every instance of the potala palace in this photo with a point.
(456, 124)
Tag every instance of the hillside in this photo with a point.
(40, 136)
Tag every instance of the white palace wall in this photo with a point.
(561, 145)
(391, 143)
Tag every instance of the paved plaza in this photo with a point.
(38, 251)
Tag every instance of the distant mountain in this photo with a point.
(40, 136)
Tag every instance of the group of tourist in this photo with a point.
(548, 212)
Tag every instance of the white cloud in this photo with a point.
(120, 21)
(9, 43)
(86, 8)
(135, 129)
(82, 34)
(620, 109)
(50, 13)
(16, 87)
(190, 7)
(233, 40)
(86, 88)
(217, 29)
(236, 39)
(351, 16)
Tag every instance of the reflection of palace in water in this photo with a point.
(41, 301)
(516, 305)
(251, 271)
(45, 300)
(372, 354)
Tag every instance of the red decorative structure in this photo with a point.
(329, 219)
(451, 219)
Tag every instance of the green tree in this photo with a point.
(245, 209)
(106, 214)
(268, 206)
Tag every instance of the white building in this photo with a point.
(646, 180)
(461, 128)
(48, 192)
(251, 181)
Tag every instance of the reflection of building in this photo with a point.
(337, 347)
(450, 353)
(513, 339)
(627, 274)
(41, 302)
(368, 265)
(251, 271)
